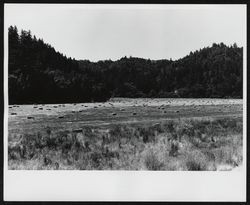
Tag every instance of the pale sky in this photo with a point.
(99, 32)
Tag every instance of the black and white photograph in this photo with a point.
(144, 88)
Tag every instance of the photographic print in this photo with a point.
(142, 88)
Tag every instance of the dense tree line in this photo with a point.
(40, 74)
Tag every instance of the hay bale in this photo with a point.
(29, 117)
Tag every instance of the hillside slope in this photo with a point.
(40, 74)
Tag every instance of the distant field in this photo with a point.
(117, 111)
(134, 114)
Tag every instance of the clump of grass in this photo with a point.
(118, 132)
(174, 147)
(228, 155)
(169, 126)
(152, 161)
(196, 161)
(148, 134)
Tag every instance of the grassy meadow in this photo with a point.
(138, 135)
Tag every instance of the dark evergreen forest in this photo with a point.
(40, 74)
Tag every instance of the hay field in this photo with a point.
(127, 134)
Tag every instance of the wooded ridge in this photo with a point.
(40, 74)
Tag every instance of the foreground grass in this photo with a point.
(197, 144)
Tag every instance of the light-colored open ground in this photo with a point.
(30, 118)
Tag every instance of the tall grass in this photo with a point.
(172, 145)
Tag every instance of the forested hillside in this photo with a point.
(40, 74)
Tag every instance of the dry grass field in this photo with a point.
(127, 134)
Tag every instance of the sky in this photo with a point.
(100, 32)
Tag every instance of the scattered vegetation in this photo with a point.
(191, 144)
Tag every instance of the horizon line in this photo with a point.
(125, 56)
